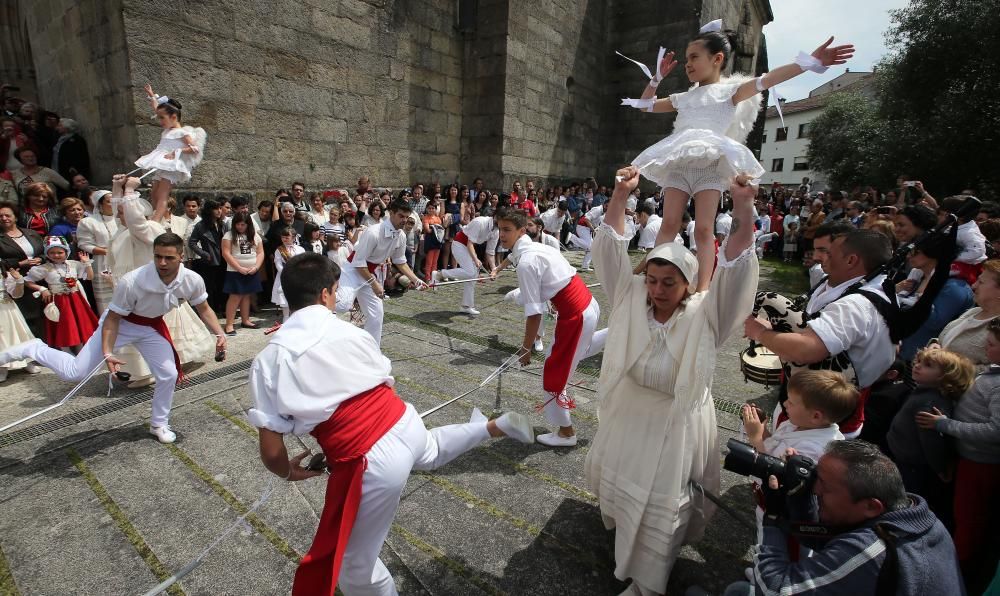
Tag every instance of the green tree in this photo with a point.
(937, 113)
(840, 141)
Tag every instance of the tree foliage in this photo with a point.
(937, 112)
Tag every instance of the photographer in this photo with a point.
(884, 541)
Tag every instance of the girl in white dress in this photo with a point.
(714, 118)
(179, 151)
(13, 328)
(288, 249)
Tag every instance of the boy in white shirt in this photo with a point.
(480, 230)
(135, 317)
(323, 376)
(378, 244)
(543, 274)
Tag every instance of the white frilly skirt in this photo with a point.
(696, 149)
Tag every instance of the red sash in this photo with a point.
(968, 271)
(158, 325)
(371, 266)
(461, 238)
(346, 437)
(570, 303)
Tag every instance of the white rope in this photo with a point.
(511, 361)
(69, 395)
(162, 586)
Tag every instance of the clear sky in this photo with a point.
(805, 24)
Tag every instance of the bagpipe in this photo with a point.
(761, 365)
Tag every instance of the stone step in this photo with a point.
(58, 538)
(175, 511)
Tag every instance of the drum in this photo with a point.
(763, 368)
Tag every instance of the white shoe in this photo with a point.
(588, 269)
(516, 426)
(538, 346)
(163, 433)
(470, 311)
(748, 573)
(556, 440)
(437, 277)
(16, 353)
(33, 368)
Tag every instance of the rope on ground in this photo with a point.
(61, 402)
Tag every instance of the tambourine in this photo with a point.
(760, 365)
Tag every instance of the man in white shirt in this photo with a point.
(378, 244)
(649, 224)
(841, 321)
(135, 317)
(323, 376)
(543, 274)
(479, 230)
(554, 219)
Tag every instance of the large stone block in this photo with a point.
(340, 28)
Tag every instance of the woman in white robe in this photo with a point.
(657, 427)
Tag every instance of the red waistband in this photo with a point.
(371, 266)
(969, 272)
(159, 326)
(573, 299)
(345, 437)
(461, 238)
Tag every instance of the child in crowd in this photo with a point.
(886, 396)
(13, 328)
(817, 399)
(336, 251)
(286, 251)
(333, 225)
(791, 245)
(76, 321)
(968, 263)
(976, 426)
(925, 457)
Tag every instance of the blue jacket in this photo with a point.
(850, 563)
(953, 299)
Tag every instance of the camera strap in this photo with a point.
(888, 574)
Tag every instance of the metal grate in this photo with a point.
(43, 428)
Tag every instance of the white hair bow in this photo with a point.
(162, 100)
(715, 25)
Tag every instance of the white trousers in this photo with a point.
(155, 350)
(407, 446)
(466, 270)
(353, 286)
(584, 238)
(553, 412)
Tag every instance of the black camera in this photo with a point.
(794, 474)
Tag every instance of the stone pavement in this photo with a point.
(91, 504)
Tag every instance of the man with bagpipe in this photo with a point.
(850, 322)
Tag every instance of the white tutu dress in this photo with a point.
(13, 328)
(709, 131)
(179, 168)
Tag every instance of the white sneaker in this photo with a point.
(163, 433)
(556, 440)
(538, 346)
(437, 277)
(16, 353)
(517, 426)
(470, 311)
(33, 368)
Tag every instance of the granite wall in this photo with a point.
(403, 90)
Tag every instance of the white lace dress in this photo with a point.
(177, 169)
(709, 131)
(13, 328)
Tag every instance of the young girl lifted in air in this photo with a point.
(179, 151)
(714, 117)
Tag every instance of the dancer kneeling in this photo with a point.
(135, 317)
(371, 438)
(657, 428)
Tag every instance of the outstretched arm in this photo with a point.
(824, 54)
(152, 97)
(649, 91)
